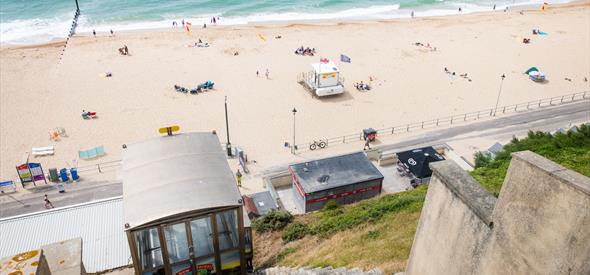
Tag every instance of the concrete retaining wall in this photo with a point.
(540, 224)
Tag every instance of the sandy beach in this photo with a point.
(40, 91)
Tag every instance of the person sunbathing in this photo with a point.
(180, 89)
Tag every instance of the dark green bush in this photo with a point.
(331, 205)
(482, 159)
(294, 231)
(570, 149)
(274, 220)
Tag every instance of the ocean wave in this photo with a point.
(36, 30)
(43, 30)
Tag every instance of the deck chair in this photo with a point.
(61, 131)
(42, 151)
(83, 154)
(99, 151)
(53, 135)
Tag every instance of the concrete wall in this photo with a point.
(64, 258)
(540, 224)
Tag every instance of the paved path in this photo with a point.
(80, 192)
(546, 119)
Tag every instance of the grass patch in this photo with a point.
(378, 233)
(570, 149)
(285, 252)
(348, 217)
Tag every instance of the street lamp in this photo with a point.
(499, 92)
(293, 145)
(228, 145)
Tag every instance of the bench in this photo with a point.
(387, 159)
(7, 187)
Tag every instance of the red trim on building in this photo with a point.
(344, 194)
(297, 184)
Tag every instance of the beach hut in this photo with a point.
(323, 79)
(345, 179)
(183, 211)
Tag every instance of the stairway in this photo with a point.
(317, 271)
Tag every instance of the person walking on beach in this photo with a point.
(267, 73)
(412, 14)
(183, 23)
(257, 73)
(94, 33)
(174, 24)
(239, 177)
(494, 7)
(112, 33)
(48, 204)
(367, 144)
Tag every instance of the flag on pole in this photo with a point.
(344, 58)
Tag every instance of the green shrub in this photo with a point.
(482, 159)
(294, 231)
(570, 149)
(331, 205)
(274, 220)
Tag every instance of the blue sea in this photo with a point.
(38, 21)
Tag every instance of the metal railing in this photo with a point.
(454, 119)
(98, 168)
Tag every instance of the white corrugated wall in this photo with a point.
(98, 223)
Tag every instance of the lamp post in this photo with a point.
(228, 145)
(499, 92)
(293, 145)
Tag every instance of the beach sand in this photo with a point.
(39, 91)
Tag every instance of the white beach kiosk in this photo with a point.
(324, 80)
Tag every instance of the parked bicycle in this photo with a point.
(322, 144)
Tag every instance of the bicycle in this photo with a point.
(322, 144)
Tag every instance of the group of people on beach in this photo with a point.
(205, 86)
(431, 48)
(447, 71)
(213, 20)
(305, 51)
(266, 73)
(94, 33)
(362, 86)
(124, 50)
